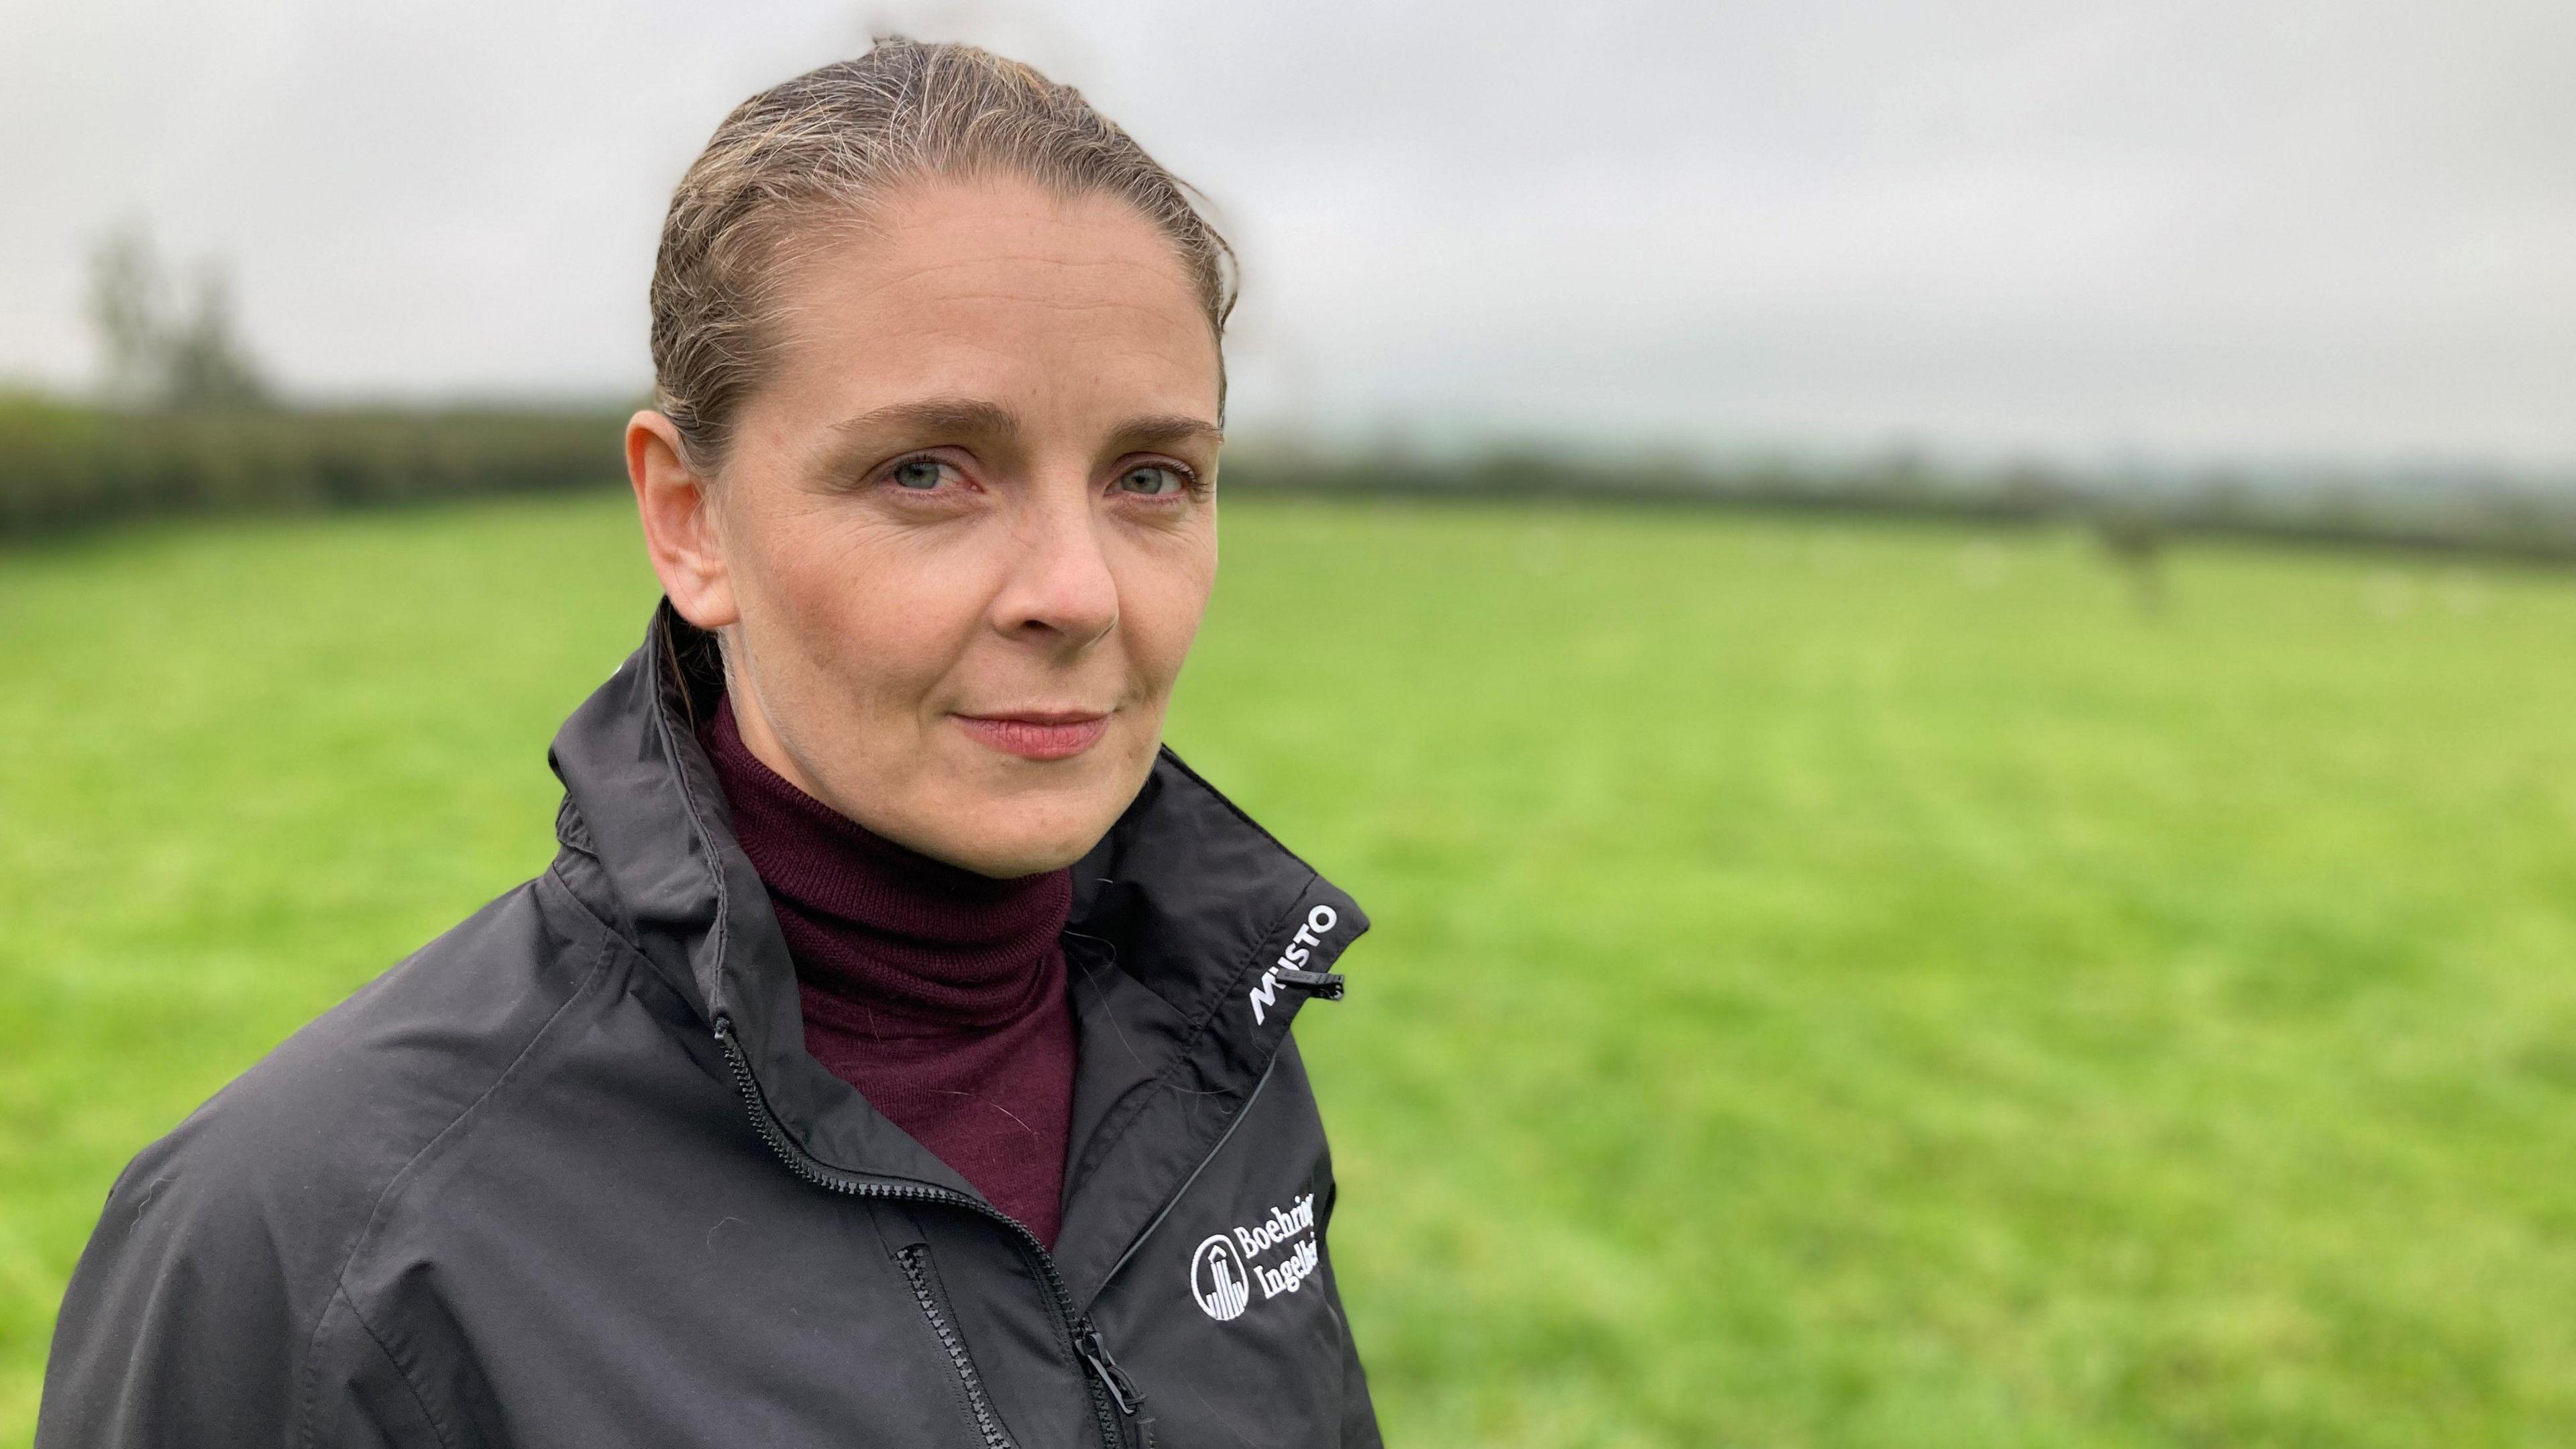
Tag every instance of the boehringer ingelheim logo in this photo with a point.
(1218, 1279)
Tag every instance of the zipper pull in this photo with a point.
(1122, 1389)
(1326, 984)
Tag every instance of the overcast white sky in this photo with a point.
(2254, 227)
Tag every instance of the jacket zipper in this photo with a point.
(987, 1422)
(1113, 1394)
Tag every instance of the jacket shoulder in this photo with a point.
(217, 1257)
(328, 1118)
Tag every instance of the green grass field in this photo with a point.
(1833, 984)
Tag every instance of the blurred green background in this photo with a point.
(1834, 982)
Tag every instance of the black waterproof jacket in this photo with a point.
(567, 1176)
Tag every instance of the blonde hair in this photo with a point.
(830, 142)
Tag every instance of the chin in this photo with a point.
(1016, 832)
(1006, 859)
(1019, 836)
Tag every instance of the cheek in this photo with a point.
(863, 610)
(1165, 599)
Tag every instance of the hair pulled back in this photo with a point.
(817, 149)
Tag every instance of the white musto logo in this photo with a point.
(1309, 936)
(1223, 1270)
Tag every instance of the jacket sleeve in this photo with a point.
(1359, 1413)
(189, 1322)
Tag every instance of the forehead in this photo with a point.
(996, 289)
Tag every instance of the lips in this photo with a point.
(1049, 735)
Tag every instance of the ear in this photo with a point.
(680, 533)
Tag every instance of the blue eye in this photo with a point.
(918, 474)
(1152, 481)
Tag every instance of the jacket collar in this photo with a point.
(1182, 916)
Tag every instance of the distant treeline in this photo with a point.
(67, 465)
(2134, 511)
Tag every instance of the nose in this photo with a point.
(1059, 589)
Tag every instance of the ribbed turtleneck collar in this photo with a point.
(878, 924)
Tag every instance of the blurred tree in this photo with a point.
(126, 306)
(157, 355)
(2132, 535)
(208, 367)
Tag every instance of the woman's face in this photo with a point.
(964, 532)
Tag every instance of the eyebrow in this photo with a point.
(962, 415)
(1167, 430)
(975, 417)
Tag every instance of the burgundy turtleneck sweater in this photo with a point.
(937, 992)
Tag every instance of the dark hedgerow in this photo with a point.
(66, 466)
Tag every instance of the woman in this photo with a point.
(896, 1051)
